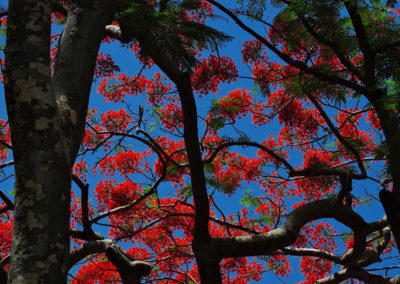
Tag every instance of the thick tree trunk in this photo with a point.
(391, 128)
(47, 121)
(40, 241)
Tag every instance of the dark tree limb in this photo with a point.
(359, 274)
(363, 43)
(9, 203)
(84, 202)
(338, 135)
(332, 45)
(3, 275)
(280, 238)
(130, 270)
(285, 57)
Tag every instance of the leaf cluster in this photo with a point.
(166, 26)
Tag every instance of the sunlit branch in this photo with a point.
(5, 260)
(310, 252)
(359, 274)
(385, 233)
(114, 31)
(6, 164)
(284, 236)
(128, 268)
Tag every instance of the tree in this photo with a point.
(326, 72)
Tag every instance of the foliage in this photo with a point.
(319, 125)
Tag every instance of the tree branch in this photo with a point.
(359, 274)
(310, 252)
(253, 144)
(339, 136)
(130, 205)
(84, 202)
(9, 203)
(306, 172)
(332, 45)
(363, 42)
(286, 235)
(130, 270)
(295, 63)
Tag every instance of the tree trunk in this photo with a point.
(47, 121)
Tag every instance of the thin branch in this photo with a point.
(6, 164)
(332, 45)
(338, 135)
(285, 57)
(363, 43)
(9, 203)
(5, 144)
(253, 144)
(130, 205)
(84, 201)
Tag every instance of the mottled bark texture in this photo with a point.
(47, 117)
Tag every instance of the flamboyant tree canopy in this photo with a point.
(224, 142)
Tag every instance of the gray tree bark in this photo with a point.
(47, 118)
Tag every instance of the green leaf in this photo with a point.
(333, 144)
(217, 123)
(11, 192)
(118, 149)
(172, 169)
(147, 189)
(255, 202)
(255, 90)
(267, 219)
(346, 236)
(188, 191)
(250, 200)
(246, 201)
(208, 167)
(152, 128)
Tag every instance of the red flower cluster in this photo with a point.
(211, 72)
(105, 66)
(116, 121)
(126, 162)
